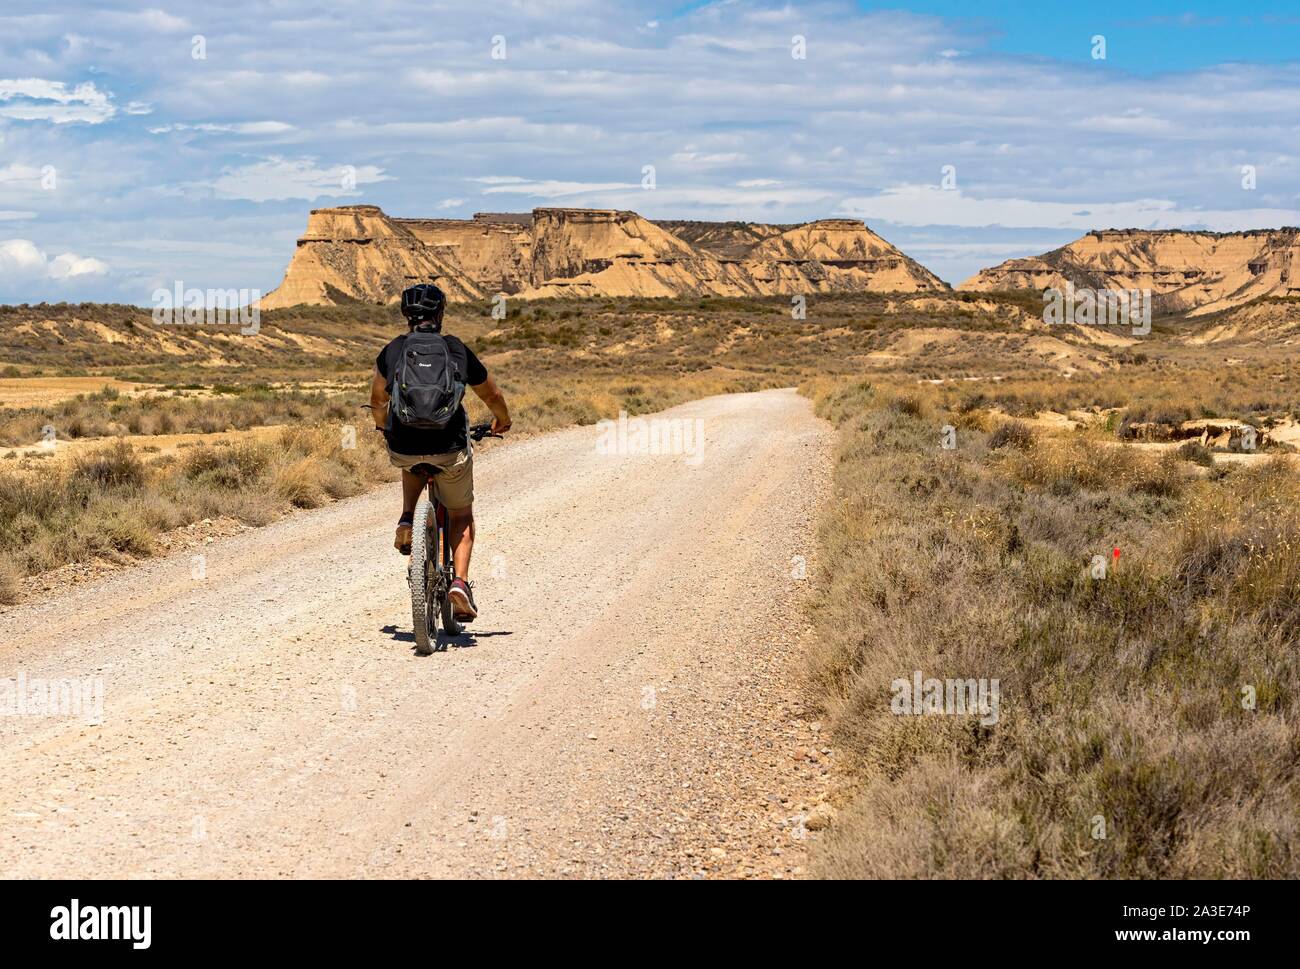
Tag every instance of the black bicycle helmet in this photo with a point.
(424, 303)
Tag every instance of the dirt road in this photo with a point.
(627, 704)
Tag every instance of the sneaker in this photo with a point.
(402, 540)
(462, 600)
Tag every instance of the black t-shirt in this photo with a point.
(412, 440)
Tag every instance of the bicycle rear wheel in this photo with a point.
(424, 605)
(449, 623)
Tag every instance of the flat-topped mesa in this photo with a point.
(588, 216)
(1286, 230)
(1186, 271)
(847, 225)
(356, 253)
(555, 251)
(346, 223)
(516, 218)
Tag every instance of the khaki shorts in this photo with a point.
(454, 484)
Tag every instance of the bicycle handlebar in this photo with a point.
(480, 431)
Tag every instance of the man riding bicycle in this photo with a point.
(447, 449)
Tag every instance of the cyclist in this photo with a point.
(449, 449)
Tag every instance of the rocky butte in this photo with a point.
(357, 253)
(1193, 272)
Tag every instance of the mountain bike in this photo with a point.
(432, 568)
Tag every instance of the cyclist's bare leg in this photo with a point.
(460, 527)
(412, 487)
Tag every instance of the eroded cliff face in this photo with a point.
(1196, 272)
(359, 253)
(608, 252)
(493, 251)
(355, 253)
(727, 240)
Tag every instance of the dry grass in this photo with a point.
(1121, 698)
(110, 504)
(1181, 387)
(109, 414)
(10, 580)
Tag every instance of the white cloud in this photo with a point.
(931, 205)
(721, 202)
(20, 258)
(240, 128)
(156, 21)
(286, 178)
(547, 189)
(35, 99)
(451, 203)
(19, 173)
(717, 158)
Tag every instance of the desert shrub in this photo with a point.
(299, 483)
(126, 528)
(229, 466)
(112, 467)
(908, 404)
(1165, 413)
(1197, 453)
(1013, 434)
(1164, 476)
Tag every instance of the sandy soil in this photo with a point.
(149, 445)
(18, 392)
(628, 704)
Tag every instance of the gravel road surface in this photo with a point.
(627, 705)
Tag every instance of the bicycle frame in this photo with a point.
(446, 556)
(431, 576)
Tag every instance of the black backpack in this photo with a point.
(426, 386)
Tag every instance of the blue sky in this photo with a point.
(1144, 38)
(141, 146)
